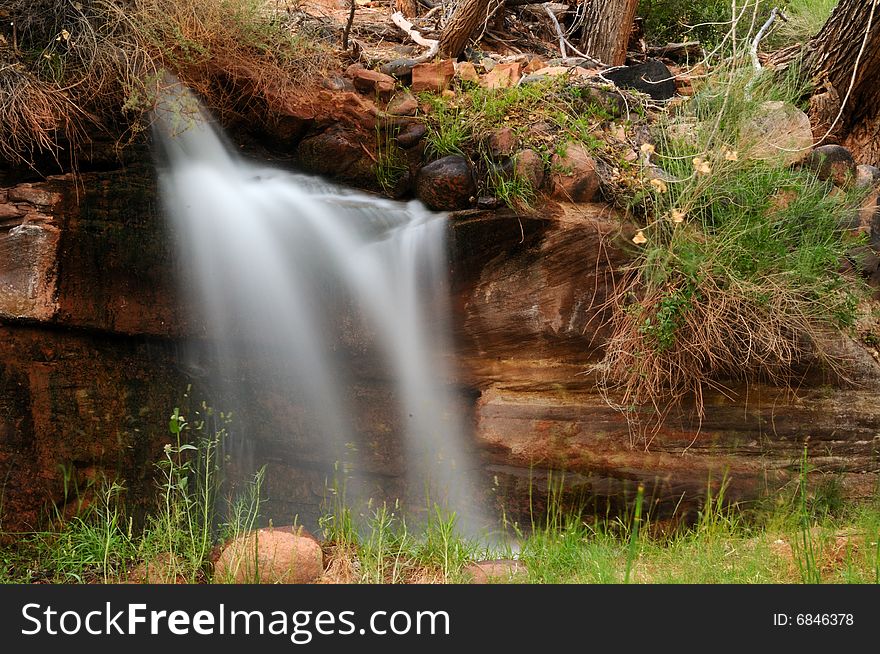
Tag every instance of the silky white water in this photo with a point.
(281, 263)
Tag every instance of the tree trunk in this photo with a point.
(607, 28)
(832, 56)
(409, 8)
(469, 15)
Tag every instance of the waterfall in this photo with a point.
(281, 263)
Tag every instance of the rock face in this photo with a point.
(446, 184)
(91, 366)
(270, 556)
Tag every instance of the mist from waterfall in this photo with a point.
(282, 263)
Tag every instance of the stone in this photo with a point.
(499, 571)
(434, 76)
(400, 68)
(275, 555)
(403, 104)
(34, 194)
(529, 166)
(330, 153)
(9, 210)
(371, 81)
(778, 132)
(488, 203)
(467, 72)
(488, 63)
(411, 134)
(352, 70)
(29, 271)
(543, 73)
(574, 176)
(501, 142)
(534, 64)
(833, 163)
(338, 84)
(502, 76)
(652, 77)
(446, 184)
(867, 176)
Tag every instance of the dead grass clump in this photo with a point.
(675, 342)
(66, 64)
(238, 56)
(32, 115)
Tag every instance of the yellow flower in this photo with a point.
(647, 149)
(730, 155)
(659, 185)
(677, 216)
(702, 166)
(65, 35)
(639, 238)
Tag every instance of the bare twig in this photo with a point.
(776, 13)
(348, 24)
(558, 29)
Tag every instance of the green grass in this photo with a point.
(459, 125)
(805, 19)
(795, 539)
(737, 266)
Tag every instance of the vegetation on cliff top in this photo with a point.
(72, 69)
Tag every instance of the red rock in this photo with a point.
(529, 166)
(574, 175)
(371, 81)
(29, 271)
(502, 142)
(535, 64)
(9, 210)
(432, 76)
(502, 76)
(403, 104)
(467, 72)
(34, 195)
(446, 184)
(279, 555)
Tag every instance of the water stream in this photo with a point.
(284, 265)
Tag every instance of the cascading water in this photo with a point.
(282, 262)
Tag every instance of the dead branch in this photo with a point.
(433, 45)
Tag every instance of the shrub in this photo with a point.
(738, 274)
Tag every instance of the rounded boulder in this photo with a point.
(446, 184)
(270, 556)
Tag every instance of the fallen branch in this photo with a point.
(433, 45)
(673, 50)
(558, 29)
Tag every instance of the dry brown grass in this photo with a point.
(724, 333)
(72, 65)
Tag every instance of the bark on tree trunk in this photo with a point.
(832, 56)
(606, 29)
(469, 15)
(408, 8)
